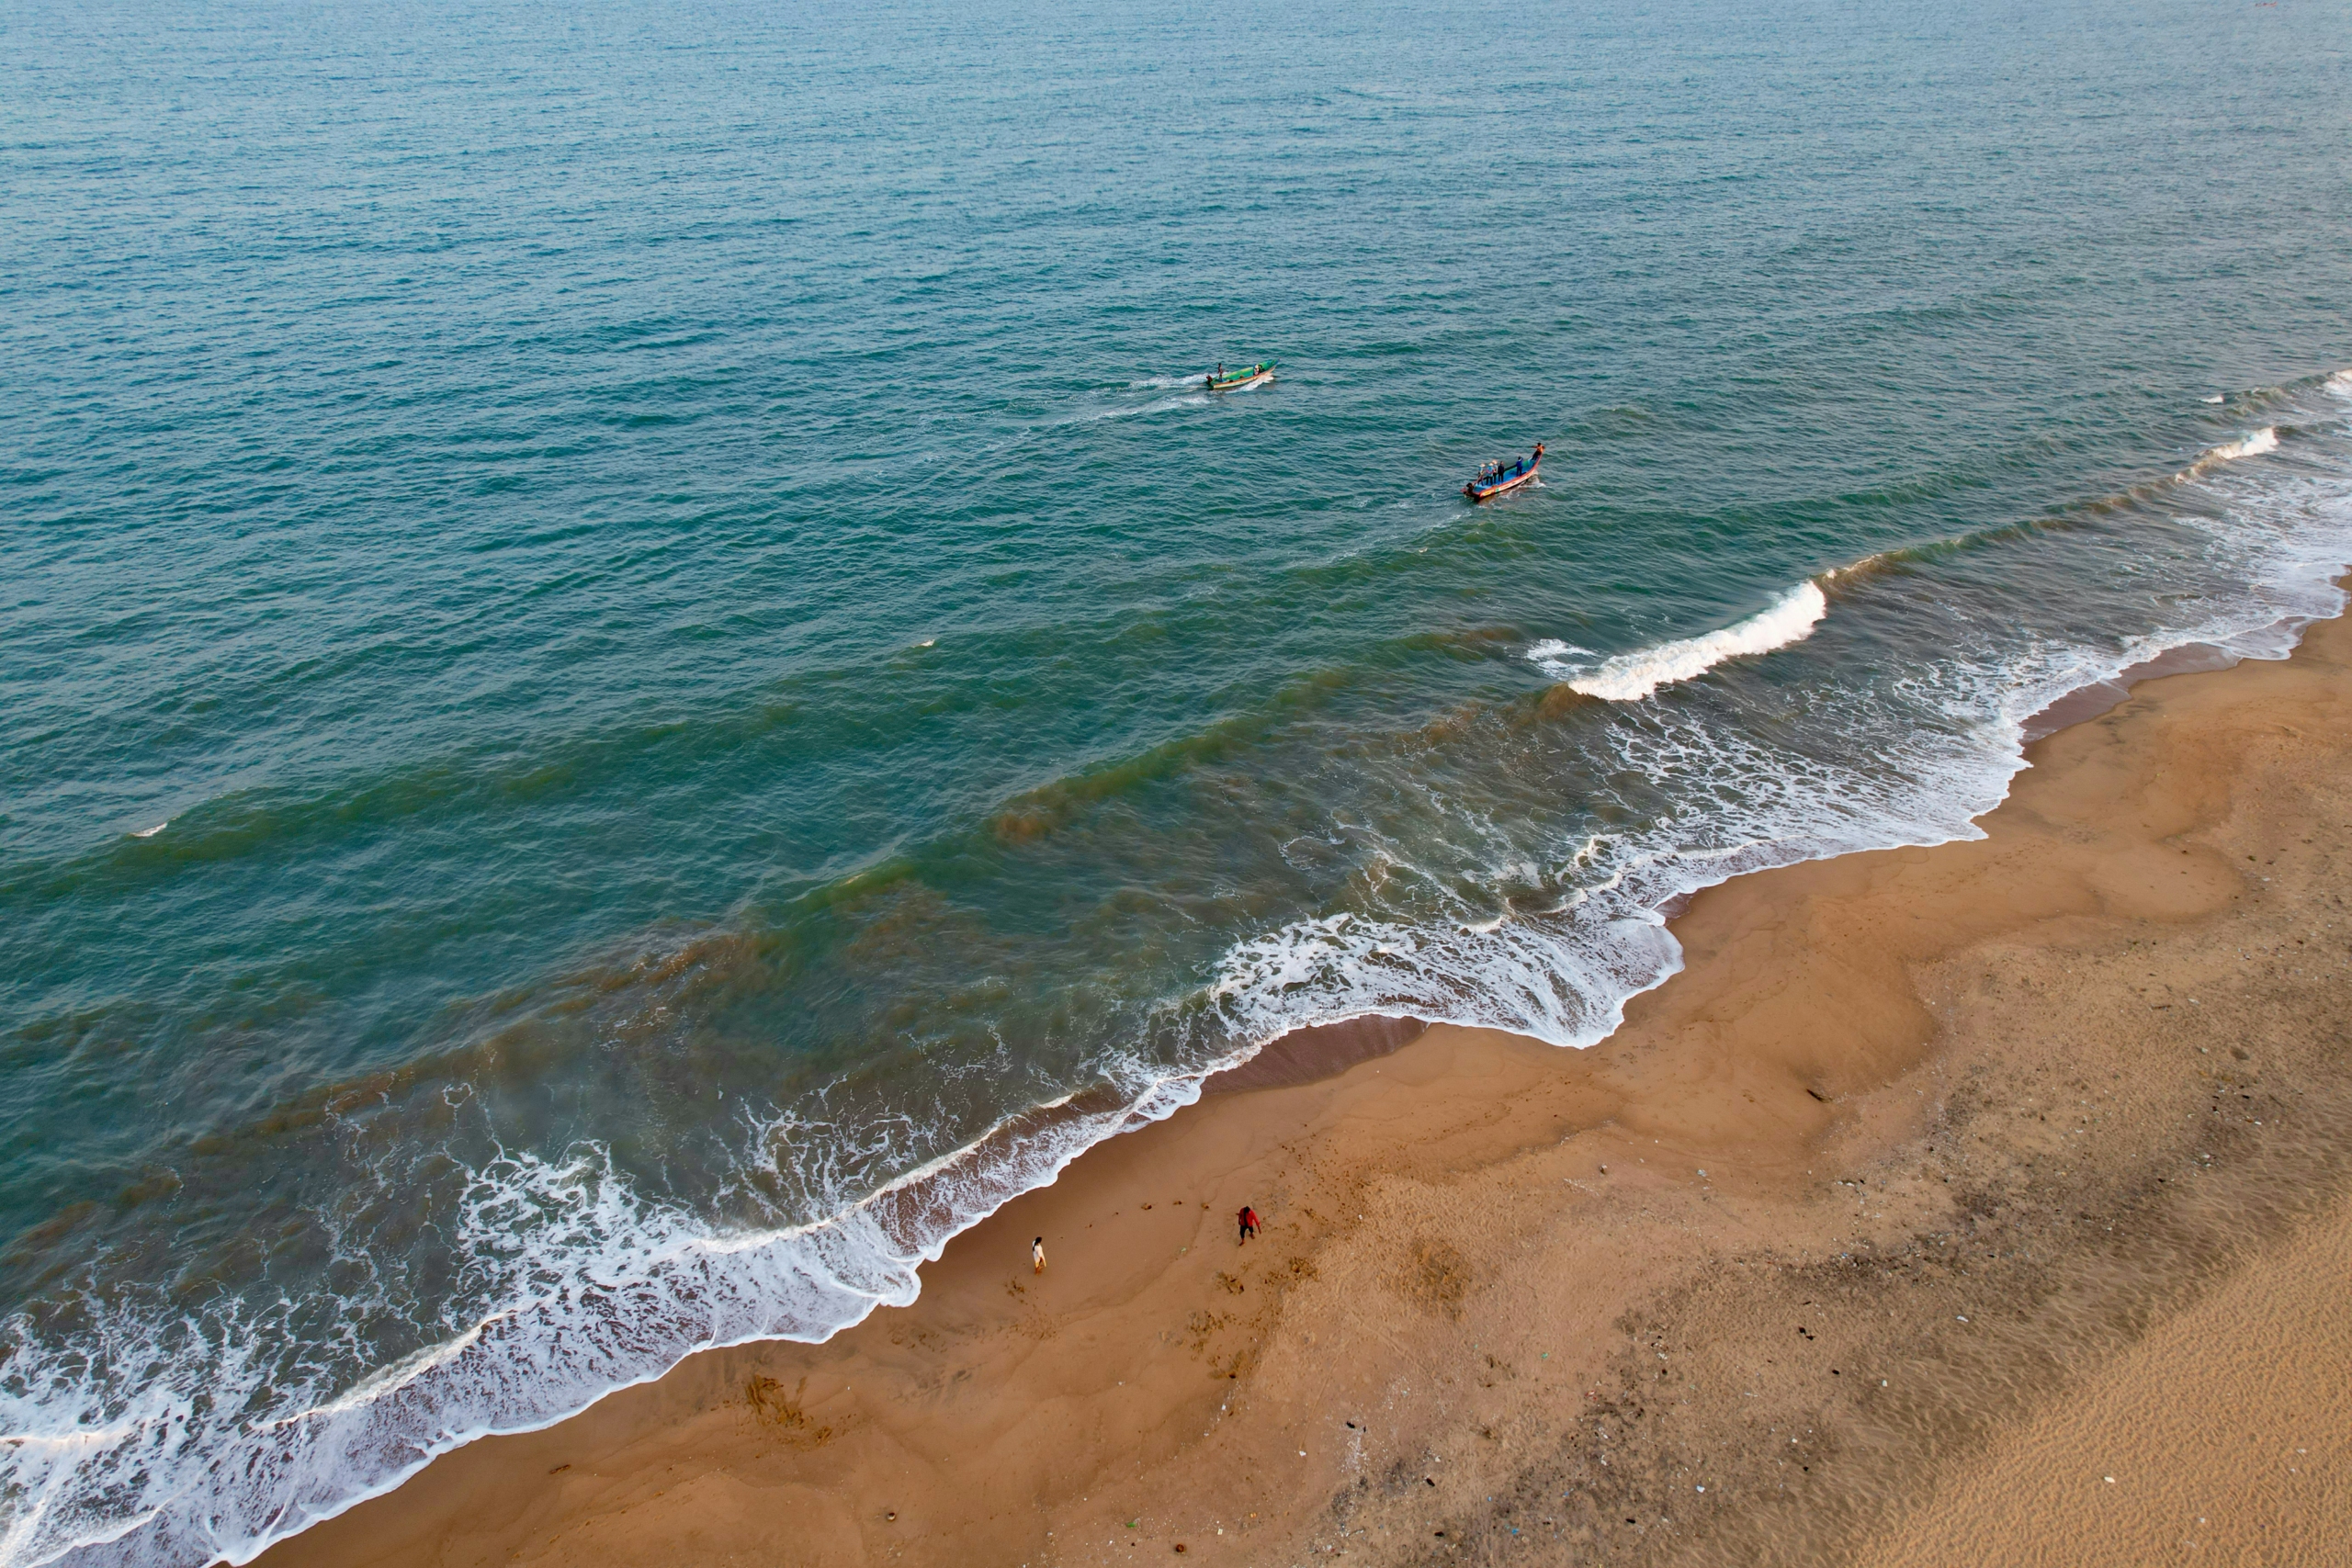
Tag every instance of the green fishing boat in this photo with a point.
(1219, 381)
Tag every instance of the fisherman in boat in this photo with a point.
(1504, 474)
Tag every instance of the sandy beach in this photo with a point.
(1989, 1203)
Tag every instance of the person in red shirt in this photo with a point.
(1248, 1222)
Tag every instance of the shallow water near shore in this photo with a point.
(639, 683)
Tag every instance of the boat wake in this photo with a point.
(1158, 405)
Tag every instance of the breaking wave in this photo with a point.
(164, 1435)
(1630, 677)
(2253, 444)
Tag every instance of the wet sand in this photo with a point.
(1940, 1186)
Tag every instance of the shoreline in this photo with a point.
(1401, 1131)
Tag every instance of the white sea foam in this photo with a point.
(158, 1434)
(2254, 444)
(138, 1439)
(1630, 677)
(1561, 660)
(151, 832)
(2250, 446)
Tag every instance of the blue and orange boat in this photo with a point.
(1493, 481)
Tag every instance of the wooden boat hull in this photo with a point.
(1243, 383)
(1476, 492)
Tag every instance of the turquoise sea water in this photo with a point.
(637, 680)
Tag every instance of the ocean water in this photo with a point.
(636, 682)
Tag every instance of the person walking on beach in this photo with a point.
(1248, 1222)
(1037, 1255)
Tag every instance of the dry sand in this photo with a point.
(1942, 1185)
